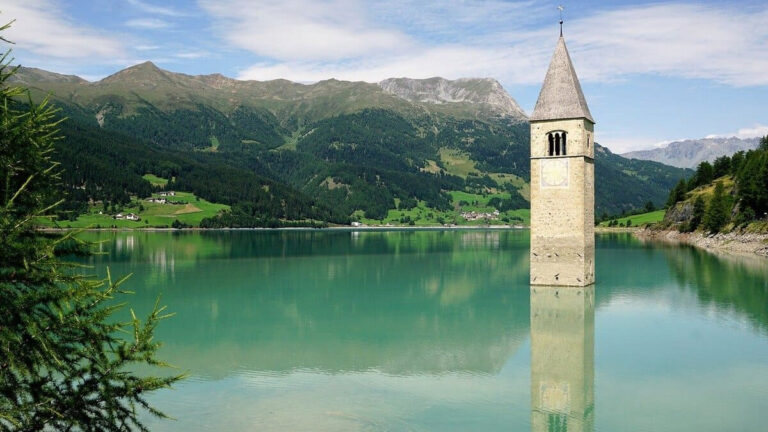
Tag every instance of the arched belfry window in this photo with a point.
(551, 144)
(557, 143)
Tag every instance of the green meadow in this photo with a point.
(155, 180)
(188, 209)
(638, 219)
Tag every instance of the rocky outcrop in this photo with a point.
(733, 242)
(486, 92)
(679, 213)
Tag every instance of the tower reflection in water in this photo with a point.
(562, 358)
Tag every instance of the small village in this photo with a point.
(127, 216)
(475, 216)
(161, 198)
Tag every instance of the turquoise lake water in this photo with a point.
(439, 331)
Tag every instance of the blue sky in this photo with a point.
(652, 71)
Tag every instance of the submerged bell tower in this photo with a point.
(562, 179)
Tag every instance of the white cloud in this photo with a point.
(755, 131)
(727, 44)
(448, 62)
(148, 23)
(299, 30)
(43, 29)
(155, 10)
(351, 39)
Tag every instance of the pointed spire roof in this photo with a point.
(561, 96)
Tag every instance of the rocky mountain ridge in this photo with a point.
(469, 98)
(689, 153)
(483, 91)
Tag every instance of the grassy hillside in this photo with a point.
(185, 208)
(155, 180)
(636, 220)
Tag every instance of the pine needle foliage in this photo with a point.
(717, 214)
(66, 361)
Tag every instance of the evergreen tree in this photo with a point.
(721, 167)
(64, 364)
(699, 209)
(717, 212)
(764, 143)
(704, 174)
(649, 207)
(737, 161)
(677, 193)
(753, 183)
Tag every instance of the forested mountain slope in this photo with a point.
(279, 150)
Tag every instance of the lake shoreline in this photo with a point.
(331, 228)
(609, 230)
(732, 243)
(598, 230)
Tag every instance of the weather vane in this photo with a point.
(560, 8)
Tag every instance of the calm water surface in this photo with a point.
(436, 331)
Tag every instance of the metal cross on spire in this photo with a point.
(560, 8)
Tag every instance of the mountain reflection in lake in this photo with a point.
(439, 330)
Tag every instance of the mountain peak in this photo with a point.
(486, 92)
(146, 64)
(142, 73)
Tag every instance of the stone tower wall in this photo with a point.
(562, 205)
(580, 136)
